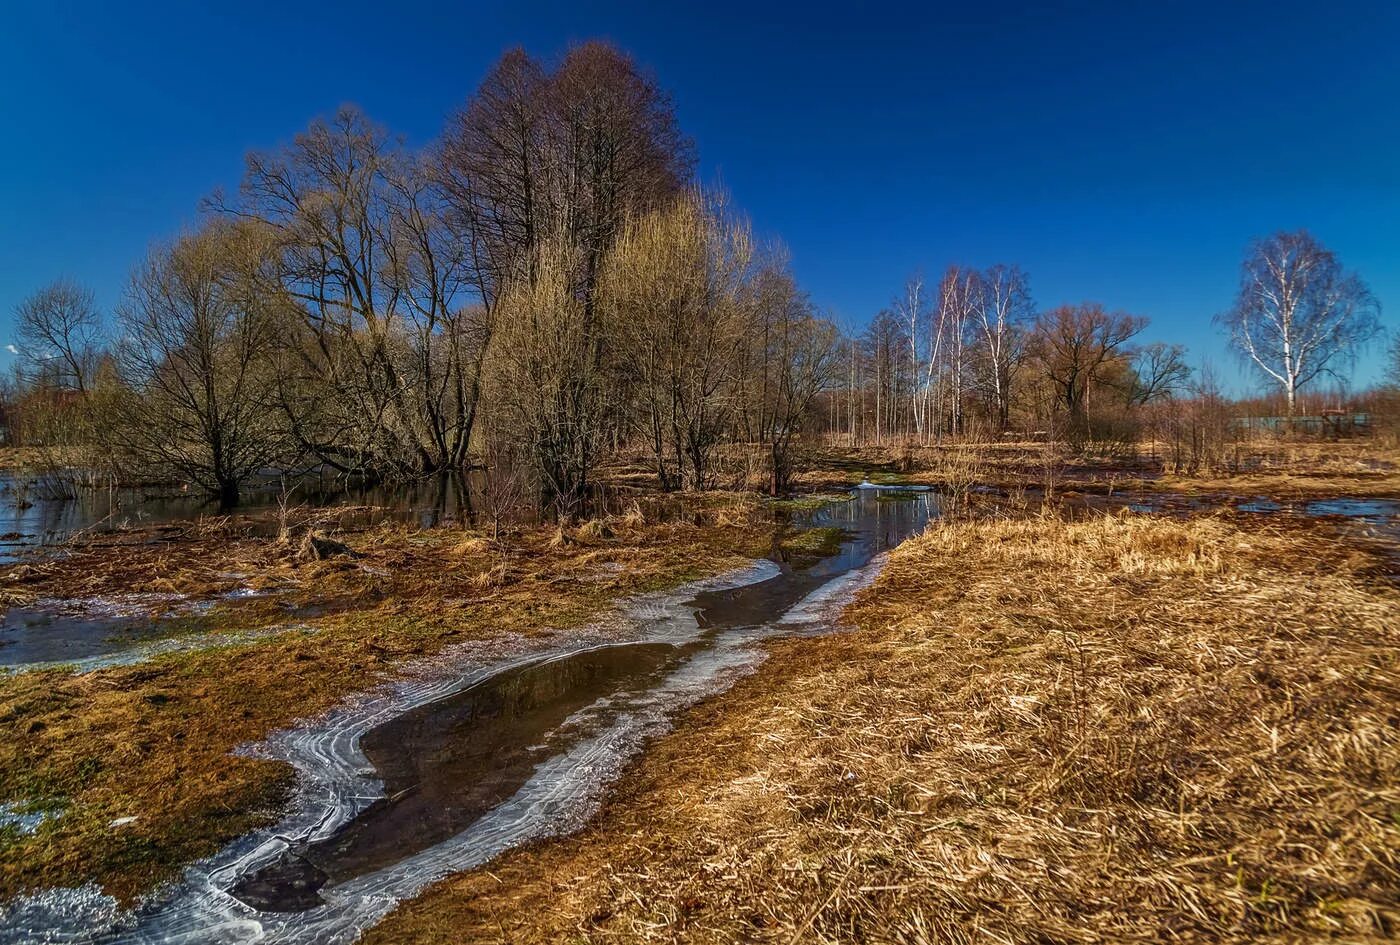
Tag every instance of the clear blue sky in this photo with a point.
(1120, 152)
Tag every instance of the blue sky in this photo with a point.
(1120, 152)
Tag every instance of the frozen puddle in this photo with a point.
(443, 772)
(97, 632)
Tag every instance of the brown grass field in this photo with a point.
(154, 740)
(1122, 729)
(1280, 469)
(1112, 728)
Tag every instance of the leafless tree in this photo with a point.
(1299, 315)
(672, 297)
(959, 297)
(1158, 371)
(380, 368)
(913, 310)
(59, 330)
(1003, 314)
(803, 350)
(881, 346)
(194, 352)
(1077, 344)
(545, 378)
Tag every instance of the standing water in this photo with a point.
(400, 791)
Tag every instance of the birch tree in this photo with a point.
(1299, 315)
(912, 308)
(958, 297)
(1003, 312)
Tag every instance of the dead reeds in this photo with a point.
(1123, 729)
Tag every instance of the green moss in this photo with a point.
(808, 503)
(816, 542)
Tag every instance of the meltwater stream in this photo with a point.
(409, 785)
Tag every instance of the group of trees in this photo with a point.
(545, 283)
(974, 350)
(545, 279)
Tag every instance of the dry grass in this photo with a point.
(1278, 468)
(1300, 470)
(1126, 729)
(153, 740)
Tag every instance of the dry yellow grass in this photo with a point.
(1279, 468)
(1125, 729)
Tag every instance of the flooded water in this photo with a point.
(1368, 511)
(444, 765)
(403, 789)
(41, 635)
(33, 516)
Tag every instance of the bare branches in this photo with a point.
(199, 395)
(1299, 315)
(59, 330)
(1077, 346)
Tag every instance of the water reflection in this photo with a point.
(446, 764)
(29, 518)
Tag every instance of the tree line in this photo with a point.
(546, 284)
(544, 281)
(973, 354)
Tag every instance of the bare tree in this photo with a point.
(959, 296)
(672, 298)
(1158, 371)
(804, 352)
(882, 344)
(1299, 315)
(495, 170)
(194, 352)
(1077, 344)
(1003, 313)
(380, 366)
(59, 330)
(545, 379)
(913, 310)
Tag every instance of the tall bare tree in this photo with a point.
(1077, 344)
(913, 310)
(1003, 314)
(672, 295)
(197, 335)
(379, 372)
(959, 297)
(59, 330)
(803, 350)
(545, 378)
(1299, 315)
